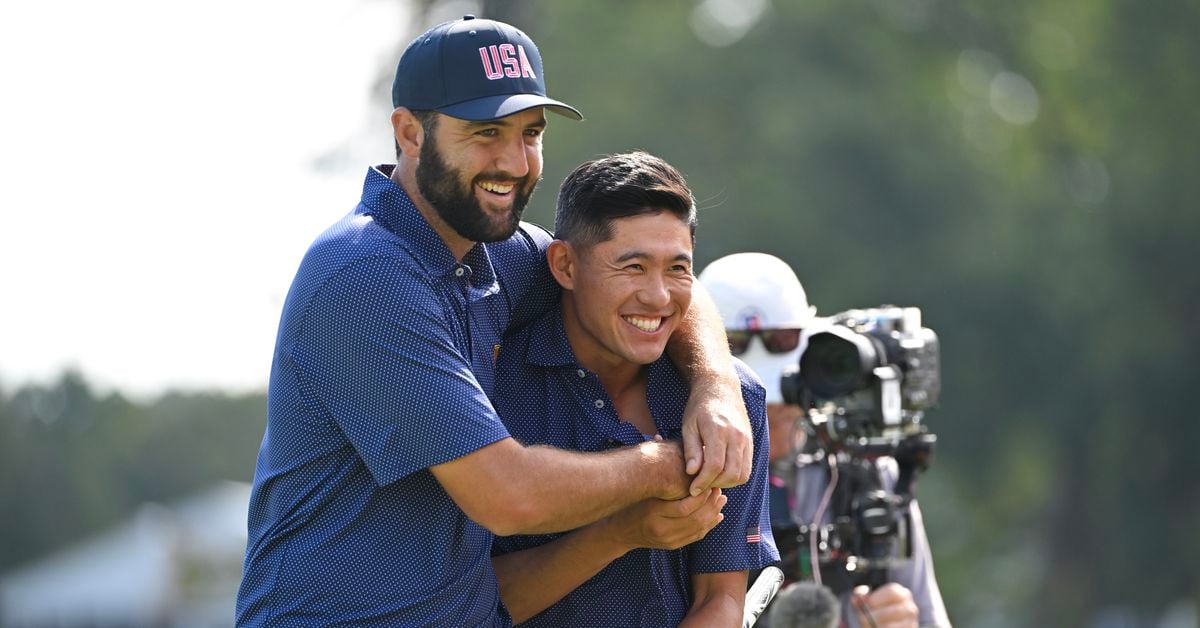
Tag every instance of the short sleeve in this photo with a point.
(377, 355)
(743, 540)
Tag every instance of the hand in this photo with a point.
(717, 442)
(889, 606)
(667, 525)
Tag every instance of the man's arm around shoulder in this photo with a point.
(716, 429)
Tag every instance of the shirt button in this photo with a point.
(582, 373)
(599, 403)
(458, 272)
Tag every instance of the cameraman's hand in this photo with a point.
(890, 606)
(666, 525)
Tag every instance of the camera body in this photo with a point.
(865, 378)
(873, 371)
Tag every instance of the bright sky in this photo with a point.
(159, 178)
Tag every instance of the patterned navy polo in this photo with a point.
(383, 366)
(545, 397)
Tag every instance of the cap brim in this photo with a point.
(494, 107)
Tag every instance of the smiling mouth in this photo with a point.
(497, 188)
(644, 323)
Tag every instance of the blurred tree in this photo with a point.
(74, 462)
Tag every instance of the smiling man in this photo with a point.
(591, 375)
(384, 469)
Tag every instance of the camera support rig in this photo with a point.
(866, 378)
(869, 532)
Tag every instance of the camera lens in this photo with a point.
(836, 363)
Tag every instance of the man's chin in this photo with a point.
(500, 232)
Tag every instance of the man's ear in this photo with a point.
(408, 132)
(564, 261)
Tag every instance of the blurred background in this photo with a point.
(1025, 172)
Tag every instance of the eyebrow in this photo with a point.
(476, 124)
(682, 257)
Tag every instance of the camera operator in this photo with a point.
(765, 308)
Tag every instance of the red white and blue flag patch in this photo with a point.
(752, 535)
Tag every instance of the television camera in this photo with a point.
(865, 379)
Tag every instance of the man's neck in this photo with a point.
(406, 178)
(624, 381)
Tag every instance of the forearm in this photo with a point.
(699, 348)
(532, 580)
(566, 490)
(719, 609)
(716, 428)
(511, 489)
(719, 599)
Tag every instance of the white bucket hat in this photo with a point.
(754, 292)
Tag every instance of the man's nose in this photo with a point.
(654, 291)
(513, 159)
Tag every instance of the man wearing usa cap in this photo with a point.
(384, 470)
(765, 310)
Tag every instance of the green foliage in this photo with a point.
(74, 462)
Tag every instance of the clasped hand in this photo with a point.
(667, 524)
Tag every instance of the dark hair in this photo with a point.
(429, 122)
(619, 186)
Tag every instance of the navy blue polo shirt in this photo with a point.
(546, 397)
(383, 366)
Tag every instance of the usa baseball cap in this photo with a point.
(474, 69)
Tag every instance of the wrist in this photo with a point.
(707, 376)
(611, 534)
(665, 472)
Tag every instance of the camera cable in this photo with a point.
(819, 517)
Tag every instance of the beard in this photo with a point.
(455, 201)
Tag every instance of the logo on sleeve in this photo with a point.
(504, 60)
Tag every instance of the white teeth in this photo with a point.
(498, 188)
(644, 324)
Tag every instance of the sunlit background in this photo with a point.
(166, 165)
(1024, 172)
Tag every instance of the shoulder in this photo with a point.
(356, 272)
(355, 242)
(528, 243)
(750, 380)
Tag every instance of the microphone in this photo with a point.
(805, 605)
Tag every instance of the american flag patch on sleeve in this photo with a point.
(752, 535)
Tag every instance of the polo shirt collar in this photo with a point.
(548, 348)
(548, 345)
(391, 207)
